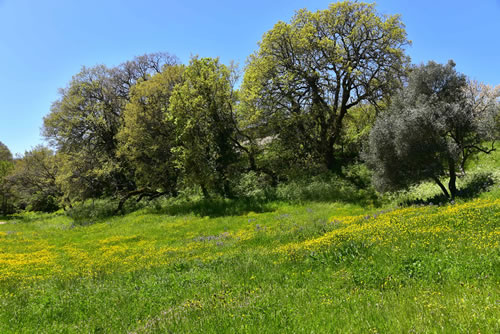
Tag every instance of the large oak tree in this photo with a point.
(84, 122)
(308, 74)
(202, 109)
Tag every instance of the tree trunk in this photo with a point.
(441, 185)
(228, 193)
(453, 178)
(251, 159)
(330, 160)
(329, 156)
(124, 199)
(205, 192)
(4, 205)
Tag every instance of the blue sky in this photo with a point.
(44, 43)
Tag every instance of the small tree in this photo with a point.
(432, 127)
(34, 180)
(5, 154)
(6, 166)
(202, 111)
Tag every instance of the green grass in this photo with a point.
(256, 267)
(310, 268)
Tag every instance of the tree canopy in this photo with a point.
(34, 180)
(148, 136)
(6, 166)
(308, 74)
(318, 89)
(432, 127)
(83, 126)
(5, 154)
(202, 109)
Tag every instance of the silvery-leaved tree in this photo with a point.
(433, 126)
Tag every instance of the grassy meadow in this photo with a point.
(322, 267)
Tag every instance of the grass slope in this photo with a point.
(311, 268)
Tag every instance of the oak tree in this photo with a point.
(84, 122)
(309, 73)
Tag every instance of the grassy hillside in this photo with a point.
(315, 267)
(319, 267)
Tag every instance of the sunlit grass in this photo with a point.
(316, 267)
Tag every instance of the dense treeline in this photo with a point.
(307, 101)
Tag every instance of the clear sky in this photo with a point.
(44, 43)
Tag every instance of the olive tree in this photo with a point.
(431, 128)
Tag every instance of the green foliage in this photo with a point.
(331, 187)
(212, 207)
(5, 154)
(148, 138)
(97, 210)
(469, 187)
(356, 130)
(482, 180)
(254, 185)
(308, 74)
(431, 130)
(42, 202)
(202, 111)
(34, 180)
(83, 125)
(6, 193)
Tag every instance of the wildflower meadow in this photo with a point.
(325, 267)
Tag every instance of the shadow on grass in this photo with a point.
(326, 188)
(214, 207)
(89, 213)
(473, 187)
(236, 207)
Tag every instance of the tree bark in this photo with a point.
(205, 192)
(144, 192)
(126, 197)
(330, 159)
(441, 185)
(453, 179)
